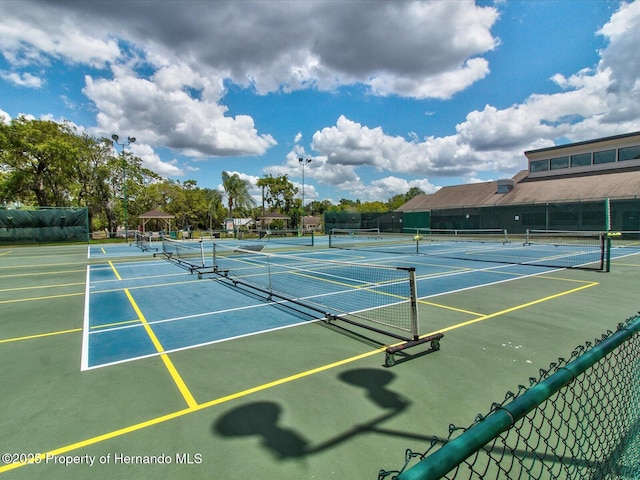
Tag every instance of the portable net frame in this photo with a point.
(579, 420)
(189, 255)
(379, 298)
(144, 241)
(557, 249)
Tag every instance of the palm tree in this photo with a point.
(237, 192)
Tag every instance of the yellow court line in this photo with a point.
(186, 394)
(105, 325)
(259, 388)
(115, 271)
(103, 250)
(447, 307)
(39, 265)
(544, 277)
(40, 274)
(138, 287)
(563, 279)
(49, 297)
(186, 411)
(40, 335)
(191, 402)
(517, 307)
(5, 253)
(60, 285)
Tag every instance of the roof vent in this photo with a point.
(505, 185)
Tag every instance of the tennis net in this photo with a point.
(288, 236)
(144, 241)
(360, 294)
(190, 255)
(586, 250)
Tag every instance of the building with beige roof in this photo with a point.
(591, 185)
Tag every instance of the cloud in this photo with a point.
(594, 102)
(23, 80)
(350, 144)
(34, 32)
(389, 186)
(425, 43)
(621, 60)
(158, 77)
(161, 111)
(344, 177)
(153, 162)
(590, 103)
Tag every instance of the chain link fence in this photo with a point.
(579, 420)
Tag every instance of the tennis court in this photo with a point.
(117, 362)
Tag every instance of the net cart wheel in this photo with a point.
(389, 359)
(435, 344)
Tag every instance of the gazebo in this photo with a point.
(267, 218)
(165, 218)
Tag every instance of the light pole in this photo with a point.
(303, 162)
(130, 140)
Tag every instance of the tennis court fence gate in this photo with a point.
(579, 420)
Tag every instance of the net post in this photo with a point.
(607, 260)
(313, 239)
(202, 253)
(414, 304)
(215, 264)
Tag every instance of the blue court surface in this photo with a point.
(147, 305)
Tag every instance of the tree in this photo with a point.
(237, 192)
(398, 200)
(319, 207)
(215, 208)
(413, 192)
(38, 157)
(278, 192)
(373, 207)
(201, 207)
(92, 175)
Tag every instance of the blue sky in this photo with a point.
(382, 96)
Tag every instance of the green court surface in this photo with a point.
(119, 364)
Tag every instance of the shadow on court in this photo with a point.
(264, 419)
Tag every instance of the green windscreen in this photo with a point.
(43, 225)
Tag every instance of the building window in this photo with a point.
(539, 166)
(629, 153)
(581, 160)
(605, 156)
(559, 162)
